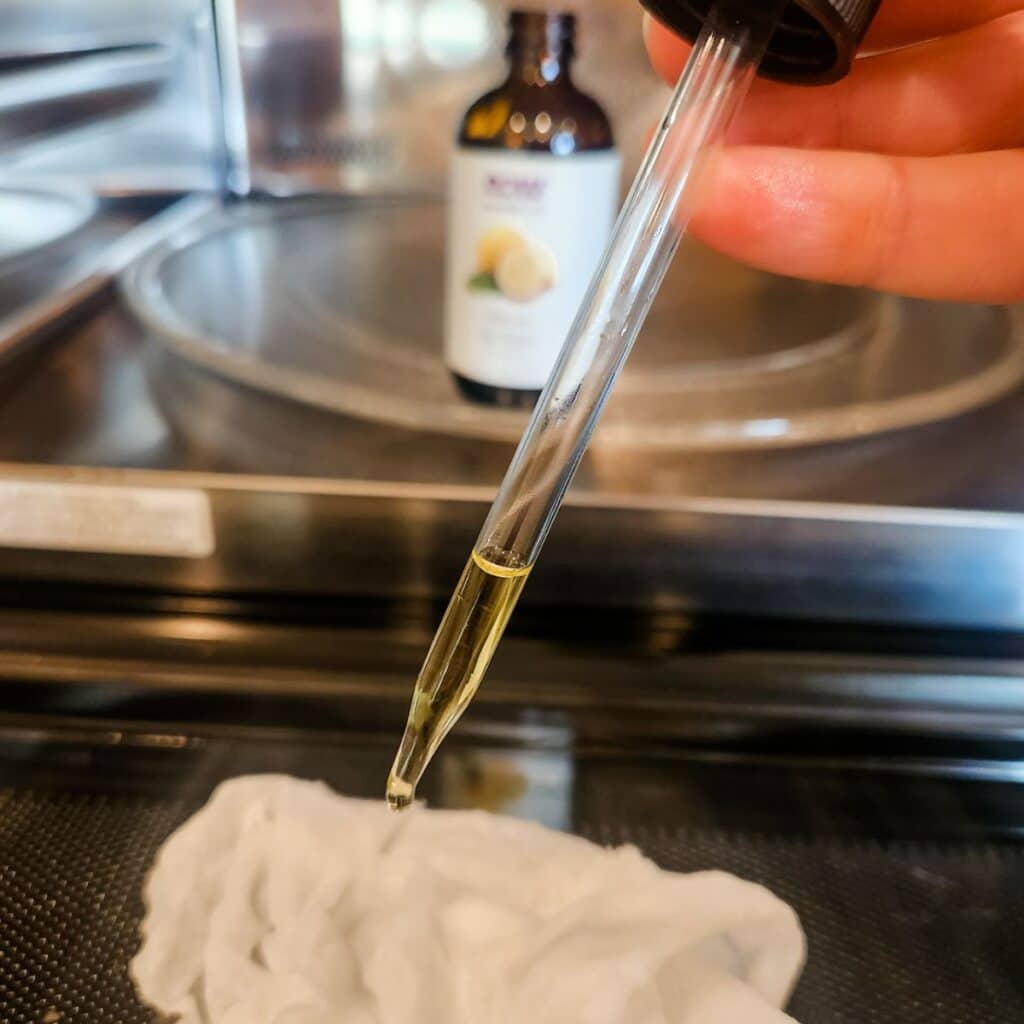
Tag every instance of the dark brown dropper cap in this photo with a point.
(815, 41)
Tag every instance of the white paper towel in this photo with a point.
(282, 903)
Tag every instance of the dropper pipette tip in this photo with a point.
(400, 793)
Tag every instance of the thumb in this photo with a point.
(931, 227)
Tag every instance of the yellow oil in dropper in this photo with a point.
(713, 83)
(462, 648)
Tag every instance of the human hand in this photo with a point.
(907, 176)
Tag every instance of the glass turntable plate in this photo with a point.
(337, 303)
(35, 215)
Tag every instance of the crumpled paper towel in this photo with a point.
(281, 902)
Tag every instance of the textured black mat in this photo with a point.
(914, 932)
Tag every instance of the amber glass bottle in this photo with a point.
(534, 187)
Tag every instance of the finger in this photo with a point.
(954, 95)
(938, 228)
(667, 51)
(960, 94)
(901, 22)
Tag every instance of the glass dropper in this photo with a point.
(647, 233)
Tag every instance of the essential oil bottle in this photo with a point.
(533, 193)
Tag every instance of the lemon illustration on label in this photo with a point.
(494, 243)
(513, 264)
(524, 273)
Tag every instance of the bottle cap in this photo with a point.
(815, 41)
(548, 29)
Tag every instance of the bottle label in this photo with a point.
(525, 234)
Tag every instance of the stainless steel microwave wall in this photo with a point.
(121, 94)
(347, 94)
